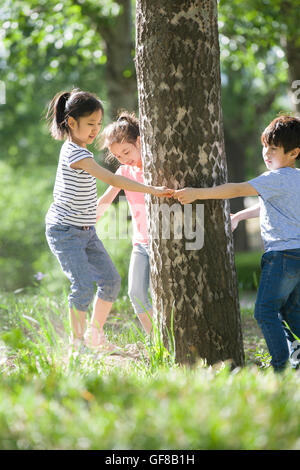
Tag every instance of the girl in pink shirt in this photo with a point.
(122, 138)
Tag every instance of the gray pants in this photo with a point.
(139, 279)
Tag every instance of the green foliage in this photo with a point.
(47, 47)
(265, 23)
(176, 410)
(255, 70)
(23, 204)
(158, 356)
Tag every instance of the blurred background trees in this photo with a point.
(47, 46)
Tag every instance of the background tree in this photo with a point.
(117, 32)
(178, 72)
(274, 26)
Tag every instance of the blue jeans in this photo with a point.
(84, 261)
(139, 279)
(278, 300)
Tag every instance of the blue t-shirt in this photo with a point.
(279, 195)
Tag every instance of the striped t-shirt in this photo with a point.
(75, 191)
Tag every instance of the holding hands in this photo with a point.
(186, 195)
(162, 191)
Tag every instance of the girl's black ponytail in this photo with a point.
(60, 114)
(56, 115)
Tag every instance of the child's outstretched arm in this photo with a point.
(105, 200)
(249, 213)
(223, 191)
(90, 166)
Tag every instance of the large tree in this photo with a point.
(178, 73)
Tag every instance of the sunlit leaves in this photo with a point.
(45, 46)
(34, 26)
(253, 60)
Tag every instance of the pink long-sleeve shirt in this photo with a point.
(136, 203)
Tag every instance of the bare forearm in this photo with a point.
(90, 166)
(223, 191)
(119, 181)
(106, 199)
(249, 213)
(130, 185)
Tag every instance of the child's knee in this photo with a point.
(81, 298)
(132, 293)
(135, 297)
(109, 290)
(139, 301)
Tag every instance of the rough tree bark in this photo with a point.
(178, 74)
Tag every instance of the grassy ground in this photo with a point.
(141, 400)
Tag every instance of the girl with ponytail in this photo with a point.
(76, 117)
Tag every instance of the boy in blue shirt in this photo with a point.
(278, 296)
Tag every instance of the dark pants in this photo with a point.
(278, 300)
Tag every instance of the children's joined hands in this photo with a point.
(163, 191)
(185, 195)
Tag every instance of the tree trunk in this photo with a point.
(178, 73)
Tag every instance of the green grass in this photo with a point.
(248, 269)
(143, 401)
(177, 409)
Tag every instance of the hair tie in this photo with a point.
(122, 118)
